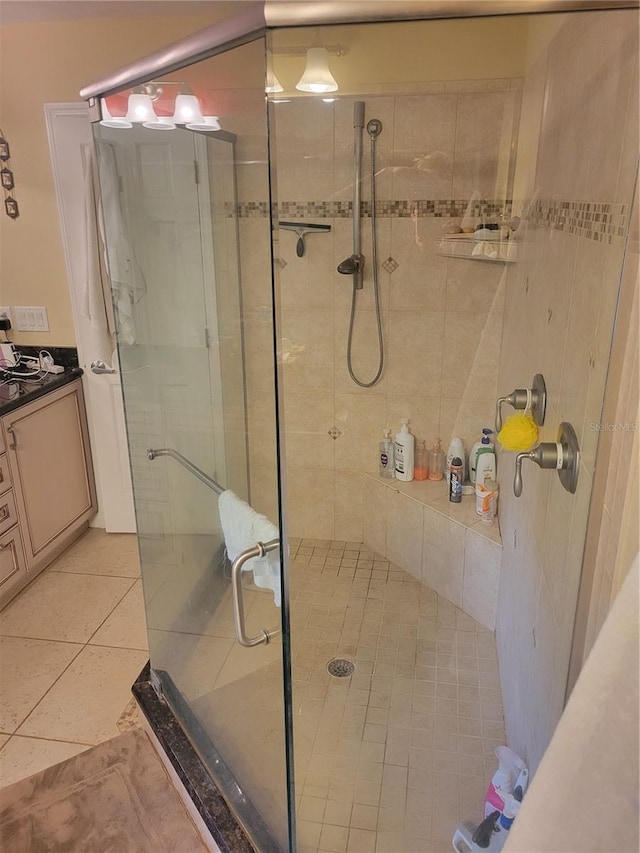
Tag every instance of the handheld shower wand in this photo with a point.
(354, 264)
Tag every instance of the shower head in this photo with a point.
(374, 127)
(349, 266)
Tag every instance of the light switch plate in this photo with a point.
(31, 318)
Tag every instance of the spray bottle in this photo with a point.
(509, 772)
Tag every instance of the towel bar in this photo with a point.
(197, 472)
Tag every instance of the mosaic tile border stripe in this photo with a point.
(600, 221)
(604, 222)
(399, 209)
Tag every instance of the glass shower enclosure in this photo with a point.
(196, 408)
(230, 345)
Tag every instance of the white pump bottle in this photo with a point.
(403, 451)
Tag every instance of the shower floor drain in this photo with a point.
(340, 668)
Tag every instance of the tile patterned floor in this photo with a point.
(71, 645)
(393, 757)
(389, 759)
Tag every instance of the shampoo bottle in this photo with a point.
(485, 465)
(485, 441)
(403, 452)
(386, 455)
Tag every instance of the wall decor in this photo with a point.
(6, 176)
(7, 180)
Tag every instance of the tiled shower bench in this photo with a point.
(444, 545)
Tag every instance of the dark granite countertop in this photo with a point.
(16, 394)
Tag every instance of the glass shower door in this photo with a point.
(188, 242)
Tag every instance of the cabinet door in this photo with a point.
(13, 573)
(48, 450)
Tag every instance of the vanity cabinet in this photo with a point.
(47, 490)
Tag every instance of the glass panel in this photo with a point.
(500, 227)
(188, 234)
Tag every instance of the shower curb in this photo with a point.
(207, 799)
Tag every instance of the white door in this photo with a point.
(69, 133)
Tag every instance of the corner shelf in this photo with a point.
(463, 246)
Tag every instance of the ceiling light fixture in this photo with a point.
(187, 110)
(140, 108)
(110, 121)
(317, 78)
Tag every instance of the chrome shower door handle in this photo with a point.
(257, 550)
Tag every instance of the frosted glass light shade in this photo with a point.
(140, 108)
(317, 78)
(206, 123)
(187, 110)
(109, 121)
(160, 123)
(273, 84)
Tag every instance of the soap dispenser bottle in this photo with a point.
(403, 452)
(479, 447)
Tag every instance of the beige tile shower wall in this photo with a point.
(559, 312)
(442, 317)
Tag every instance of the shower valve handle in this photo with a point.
(524, 399)
(562, 455)
(548, 454)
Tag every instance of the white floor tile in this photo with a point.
(85, 703)
(24, 756)
(65, 607)
(28, 668)
(126, 627)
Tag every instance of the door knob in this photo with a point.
(100, 367)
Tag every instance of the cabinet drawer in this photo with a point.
(5, 474)
(11, 556)
(8, 514)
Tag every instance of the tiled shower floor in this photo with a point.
(391, 758)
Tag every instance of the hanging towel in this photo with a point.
(94, 307)
(243, 527)
(127, 280)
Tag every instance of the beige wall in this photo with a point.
(559, 315)
(393, 53)
(42, 63)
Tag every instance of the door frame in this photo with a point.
(115, 516)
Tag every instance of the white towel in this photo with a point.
(243, 527)
(93, 306)
(127, 280)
